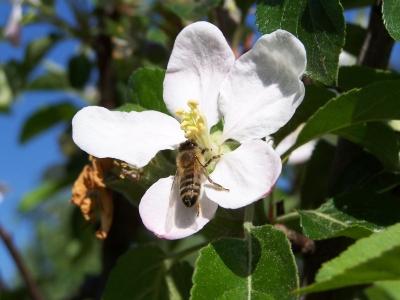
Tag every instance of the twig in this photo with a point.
(300, 242)
(30, 283)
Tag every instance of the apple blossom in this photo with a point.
(12, 30)
(254, 96)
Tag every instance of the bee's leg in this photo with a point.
(213, 182)
(211, 160)
(198, 208)
(204, 171)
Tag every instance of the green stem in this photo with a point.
(286, 218)
(177, 256)
(248, 220)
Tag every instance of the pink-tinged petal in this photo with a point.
(12, 31)
(249, 172)
(263, 88)
(163, 212)
(132, 137)
(200, 61)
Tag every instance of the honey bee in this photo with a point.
(191, 166)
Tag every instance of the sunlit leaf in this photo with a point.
(356, 215)
(46, 117)
(319, 24)
(145, 88)
(6, 94)
(379, 138)
(38, 48)
(384, 290)
(375, 102)
(391, 17)
(374, 258)
(263, 266)
(53, 80)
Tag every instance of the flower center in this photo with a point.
(194, 124)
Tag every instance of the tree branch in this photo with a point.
(30, 283)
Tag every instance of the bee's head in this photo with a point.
(187, 145)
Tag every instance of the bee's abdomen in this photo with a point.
(189, 187)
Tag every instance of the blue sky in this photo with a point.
(22, 165)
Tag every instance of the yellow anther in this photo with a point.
(193, 104)
(185, 124)
(188, 134)
(193, 129)
(180, 112)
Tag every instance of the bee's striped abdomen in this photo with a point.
(189, 187)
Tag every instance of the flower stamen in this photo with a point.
(194, 124)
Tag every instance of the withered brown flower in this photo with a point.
(89, 191)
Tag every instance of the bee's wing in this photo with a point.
(175, 188)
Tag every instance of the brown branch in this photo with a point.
(300, 243)
(30, 283)
(378, 44)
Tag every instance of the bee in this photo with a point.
(191, 167)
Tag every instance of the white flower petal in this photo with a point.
(132, 137)
(13, 29)
(249, 172)
(163, 212)
(263, 88)
(200, 61)
(301, 154)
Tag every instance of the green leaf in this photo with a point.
(379, 138)
(384, 290)
(146, 272)
(192, 11)
(39, 195)
(357, 77)
(46, 117)
(391, 17)
(263, 266)
(130, 107)
(38, 48)
(354, 215)
(79, 68)
(315, 98)
(384, 182)
(131, 190)
(357, 175)
(319, 24)
(370, 259)
(145, 88)
(355, 36)
(317, 175)
(375, 102)
(6, 94)
(53, 80)
(349, 4)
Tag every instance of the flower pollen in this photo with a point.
(194, 124)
